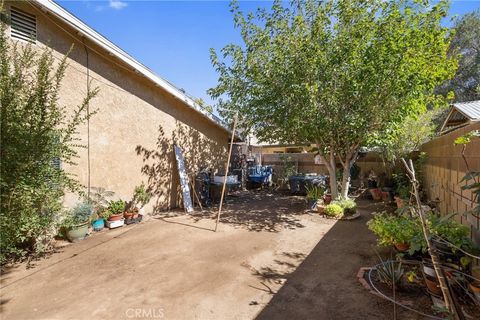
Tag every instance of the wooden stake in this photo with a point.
(226, 171)
(449, 303)
(196, 196)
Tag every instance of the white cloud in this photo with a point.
(117, 4)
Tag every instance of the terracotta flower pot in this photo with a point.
(130, 215)
(376, 194)
(402, 247)
(475, 289)
(385, 196)
(115, 217)
(327, 198)
(399, 201)
(321, 208)
(433, 286)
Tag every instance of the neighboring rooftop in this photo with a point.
(461, 114)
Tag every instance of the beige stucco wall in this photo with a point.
(136, 124)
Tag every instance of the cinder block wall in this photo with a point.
(444, 170)
(132, 135)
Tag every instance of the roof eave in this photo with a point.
(55, 9)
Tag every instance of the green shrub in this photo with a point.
(334, 210)
(450, 230)
(36, 135)
(348, 205)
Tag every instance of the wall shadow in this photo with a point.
(324, 286)
(160, 167)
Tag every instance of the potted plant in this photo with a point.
(401, 231)
(327, 198)
(474, 286)
(314, 193)
(76, 220)
(403, 195)
(116, 209)
(99, 223)
(376, 194)
(140, 198)
(333, 210)
(98, 199)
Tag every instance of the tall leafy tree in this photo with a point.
(332, 72)
(466, 43)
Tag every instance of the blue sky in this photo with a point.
(173, 38)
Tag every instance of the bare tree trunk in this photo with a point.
(346, 177)
(345, 181)
(331, 167)
(332, 171)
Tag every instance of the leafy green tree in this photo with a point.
(333, 72)
(466, 43)
(407, 136)
(36, 132)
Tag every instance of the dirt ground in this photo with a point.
(268, 260)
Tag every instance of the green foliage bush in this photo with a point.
(348, 205)
(450, 230)
(36, 132)
(334, 210)
(392, 230)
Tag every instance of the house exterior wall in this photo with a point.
(445, 168)
(130, 138)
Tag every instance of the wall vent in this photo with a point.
(23, 25)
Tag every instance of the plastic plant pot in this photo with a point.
(98, 224)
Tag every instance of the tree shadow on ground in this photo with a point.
(160, 167)
(263, 211)
(255, 211)
(324, 286)
(277, 273)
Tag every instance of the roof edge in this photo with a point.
(86, 31)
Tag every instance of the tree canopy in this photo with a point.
(333, 72)
(466, 43)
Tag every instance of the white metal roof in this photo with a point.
(84, 30)
(461, 114)
(470, 109)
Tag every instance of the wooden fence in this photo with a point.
(444, 170)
